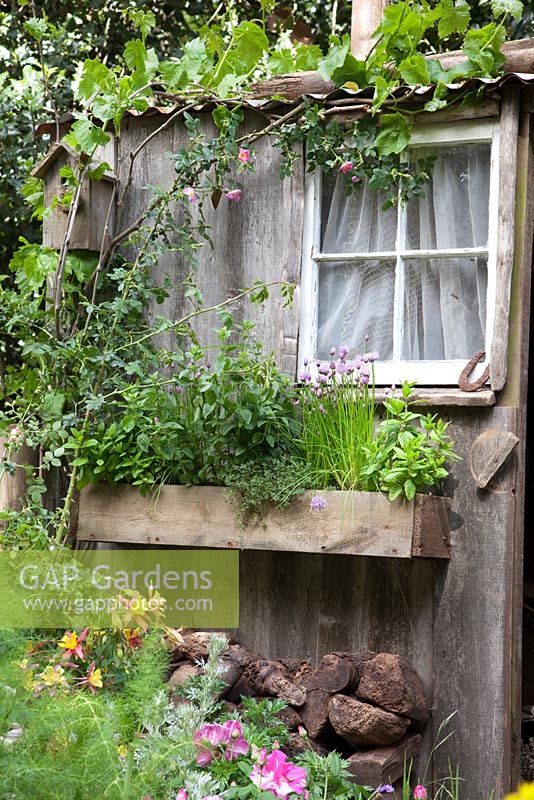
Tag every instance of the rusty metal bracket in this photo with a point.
(467, 385)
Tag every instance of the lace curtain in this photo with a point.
(444, 299)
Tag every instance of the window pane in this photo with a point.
(355, 223)
(444, 308)
(455, 209)
(356, 300)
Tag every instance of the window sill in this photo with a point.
(446, 396)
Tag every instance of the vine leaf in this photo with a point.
(414, 70)
(453, 17)
(394, 136)
(341, 67)
(513, 7)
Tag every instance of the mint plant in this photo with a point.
(409, 452)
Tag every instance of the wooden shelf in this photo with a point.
(356, 523)
(445, 396)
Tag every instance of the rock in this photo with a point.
(239, 690)
(183, 673)
(384, 764)
(337, 672)
(297, 745)
(290, 718)
(314, 713)
(270, 678)
(390, 681)
(361, 724)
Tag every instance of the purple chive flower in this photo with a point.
(358, 362)
(322, 378)
(341, 367)
(366, 337)
(385, 788)
(317, 363)
(347, 166)
(306, 362)
(370, 357)
(305, 377)
(233, 195)
(332, 351)
(319, 393)
(318, 503)
(364, 378)
(343, 351)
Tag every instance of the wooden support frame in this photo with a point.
(354, 523)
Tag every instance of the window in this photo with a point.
(418, 280)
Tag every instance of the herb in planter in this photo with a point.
(276, 479)
(338, 413)
(409, 452)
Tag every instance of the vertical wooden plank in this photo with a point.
(255, 238)
(505, 233)
(13, 487)
(472, 623)
(516, 393)
(279, 603)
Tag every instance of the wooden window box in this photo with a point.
(355, 523)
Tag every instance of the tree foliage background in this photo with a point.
(99, 28)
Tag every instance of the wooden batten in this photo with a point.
(366, 17)
(508, 132)
(355, 523)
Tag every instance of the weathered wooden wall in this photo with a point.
(456, 622)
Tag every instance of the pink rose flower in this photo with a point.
(190, 193)
(347, 166)
(279, 776)
(420, 793)
(233, 195)
(244, 155)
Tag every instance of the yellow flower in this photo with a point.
(24, 664)
(52, 676)
(122, 750)
(69, 641)
(524, 792)
(28, 682)
(94, 678)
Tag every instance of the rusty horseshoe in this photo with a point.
(472, 386)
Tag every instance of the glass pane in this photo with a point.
(444, 308)
(355, 223)
(454, 211)
(356, 300)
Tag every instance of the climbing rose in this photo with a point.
(244, 155)
(347, 166)
(190, 193)
(233, 195)
(279, 776)
(420, 793)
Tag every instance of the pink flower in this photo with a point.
(347, 166)
(233, 195)
(182, 795)
(355, 179)
(420, 792)
(244, 155)
(215, 740)
(279, 776)
(190, 193)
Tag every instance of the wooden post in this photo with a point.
(366, 16)
(13, 487)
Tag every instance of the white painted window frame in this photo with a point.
(426, 373)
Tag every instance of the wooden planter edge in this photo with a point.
(353, 523)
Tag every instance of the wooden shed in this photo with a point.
(456, 283)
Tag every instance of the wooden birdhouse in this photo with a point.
(95, 199)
